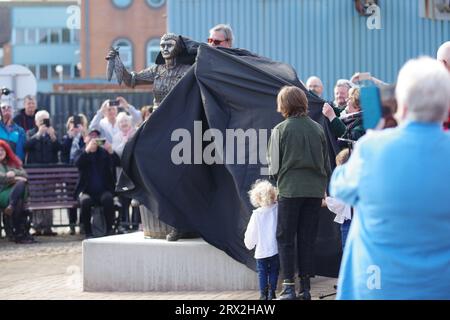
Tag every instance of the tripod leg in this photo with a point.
(327, 295)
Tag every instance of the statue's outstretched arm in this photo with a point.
(146, 76)
(131, 79)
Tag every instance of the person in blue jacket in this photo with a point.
(10, 131)
(397, 179)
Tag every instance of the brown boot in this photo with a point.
(9, 210)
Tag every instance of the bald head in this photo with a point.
(443, 55)
(315, 84)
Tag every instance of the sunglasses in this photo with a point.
(216, 42)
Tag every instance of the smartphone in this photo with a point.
(76, 121)
(370, 98)
(365, 76)
(46, 122)
(114, 103)
(100, 141)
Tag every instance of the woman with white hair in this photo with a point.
(397, 180)
(42, 145)
(126, 131)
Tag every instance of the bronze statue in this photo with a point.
(163, 76)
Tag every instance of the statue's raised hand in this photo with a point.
(114, 65)
(112, 54)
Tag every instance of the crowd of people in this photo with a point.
(388, 191)
(29, 139)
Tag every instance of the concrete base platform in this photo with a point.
(131, 263)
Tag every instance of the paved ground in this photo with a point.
(51, 269)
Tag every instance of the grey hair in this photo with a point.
(227, 31)
(312, 78)
(344, 83)
(423, 88)
(123, 116)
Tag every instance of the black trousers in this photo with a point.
(104, 200)
(73, 216)
(297, 217)
(16, 200)
(125, 213)
(17, 194)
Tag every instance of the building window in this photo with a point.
(152, 51)
(55, 36)
(77, 70)
(67, 69)
(43, 36)
(19, 36)
(155, 3)
(31, 36)
(76, 36)
(55, 74)
(122, 4)
(32, 68)
(125, 51)
(65, 35)
(43, 72)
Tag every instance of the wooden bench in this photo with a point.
(49, 188)
(52, 187)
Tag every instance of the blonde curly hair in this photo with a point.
(263, 194)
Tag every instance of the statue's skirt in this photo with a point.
(153, 227)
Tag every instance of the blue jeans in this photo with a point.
(344, 232)
(268, 270)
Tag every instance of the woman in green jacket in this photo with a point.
(350, 125)
(13, 185)
(298, 157)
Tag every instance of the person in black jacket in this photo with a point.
(96, 182)
(72, 142)
(25, 117)
(42, 149)
(42, 145)
(76, 131)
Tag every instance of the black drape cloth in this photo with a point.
(226, 89)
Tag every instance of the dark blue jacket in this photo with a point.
(102, 162)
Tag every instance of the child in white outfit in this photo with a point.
(261, 232)
(343, 211)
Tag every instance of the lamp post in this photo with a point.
(60, 70)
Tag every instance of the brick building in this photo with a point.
(134, 25)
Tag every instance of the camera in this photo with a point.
(114, 103)
(100, 141)
(6, 91)
(46, 122)
(76, 121)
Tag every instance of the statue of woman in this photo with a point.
(163, 76)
